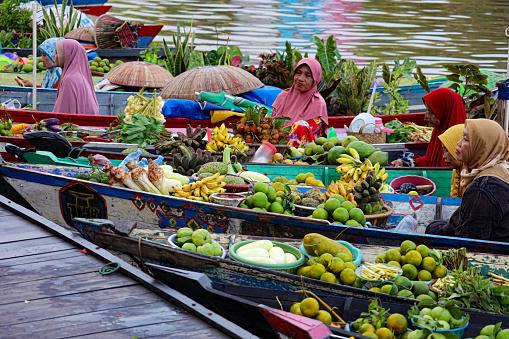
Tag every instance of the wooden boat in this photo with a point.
(242, 299)
(75, 2)
(54, 192)
(94, 10)
(51, 287)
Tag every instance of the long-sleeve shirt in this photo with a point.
(483, 213)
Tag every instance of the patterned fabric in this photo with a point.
(52, 75)
(304, 132)
(408, 159)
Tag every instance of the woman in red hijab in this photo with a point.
(303, 104)
(445, 109)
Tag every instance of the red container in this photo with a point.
(413, 179)
(238, 188)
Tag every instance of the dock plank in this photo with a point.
(126, 318)
(31, 259)
(32, 247)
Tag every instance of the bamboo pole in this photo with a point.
(34, 53)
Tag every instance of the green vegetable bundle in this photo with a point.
(141, 130)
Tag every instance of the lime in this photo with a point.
(331, 205)
(348, 205)
(276, 207)
(340, 214)
(261, 187)
(320, 213)
(259, 200)
(407, 246)
(356, 214)
(309, 307)
(338, 197)
(413, 257)
(409, 271)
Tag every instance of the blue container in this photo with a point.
(458, 331)
(356, 253)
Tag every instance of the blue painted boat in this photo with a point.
(55, 193)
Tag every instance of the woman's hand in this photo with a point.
(397, 163)
(23, 82)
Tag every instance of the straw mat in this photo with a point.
(139, 74)
(81, 33)
(232, 80)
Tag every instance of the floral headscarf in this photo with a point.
(52, 75)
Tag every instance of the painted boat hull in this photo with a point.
(55, 194)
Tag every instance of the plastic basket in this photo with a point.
(413, 179)
(173, 238)
(288, 268)
(356, 253)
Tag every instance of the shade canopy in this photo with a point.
(139, 74)
(232, 80)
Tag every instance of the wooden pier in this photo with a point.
(51, 287)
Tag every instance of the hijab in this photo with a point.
(76, 92)
(450, 140)
(52, 75)
(448, 107)
(302, 106)
(489, 149)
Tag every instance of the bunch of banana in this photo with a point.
(339, 188)
(352, 168)
(367, 194)
(221, 139)
(192, 141)
(201, 190)
(380, 173)
(188, 164)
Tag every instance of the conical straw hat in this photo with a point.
(232, 80)
(81, 33)
(139, 74)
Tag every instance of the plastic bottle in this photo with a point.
(143, 163)
(134, 156)
(159, 160)
(332, 133)
(264, 153)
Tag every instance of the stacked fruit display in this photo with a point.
(434, 317)
(293, 152)
(494, 331)
(331, 261)
(378, 323)
(309, 307)
(6, 126)
(221, 139)
(255, 127)
(307, 179)
(198, 241)
(275, 199)
(102, 65)
(417, 262)
(367, 194)
(201, 190)
(264, 251)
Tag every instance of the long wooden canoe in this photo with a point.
(54, 192)
(241, 299)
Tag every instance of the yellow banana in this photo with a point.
(342, 189)
(364, 175)
(350, 172)
(210, 179)
(376, 168)
(347, 156)
(219, 137)
(345, 161)
(213, 185)
(381, 173)
(219, 178)
(369, 164)
(204, 190)
(197, 192)
(385, 176)
(343, 169)
(198, 198)
(350, 197)
(177, 188)
(183, 194)
(364, 168)
(354, 153)
(218, 190)
(193, 185)
(187, 188)
(356, 174)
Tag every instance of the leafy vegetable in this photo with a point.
(141, 130)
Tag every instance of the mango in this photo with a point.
(364, 149)
(381, 157)
(317, 244)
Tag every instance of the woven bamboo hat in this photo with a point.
(232, 80)
(139, 74)
(82, 33)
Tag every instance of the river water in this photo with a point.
(432, 32)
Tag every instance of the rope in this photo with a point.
(109, 268)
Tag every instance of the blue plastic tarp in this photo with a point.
(265, 95)
(178, 108)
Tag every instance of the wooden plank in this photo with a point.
(108, 320)
(164, 330)
(78, 303)
(13, 223)
(49, 269)
(11, 293)
(11, 237)
(32, 247)
(70, 253)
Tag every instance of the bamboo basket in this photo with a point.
(380, 219)
(111, 32)
(370, 138)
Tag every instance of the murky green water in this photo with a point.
(433, 32)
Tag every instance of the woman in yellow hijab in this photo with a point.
(484, 210)
(449, 140)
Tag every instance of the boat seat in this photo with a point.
(54, 143)
(18, 152)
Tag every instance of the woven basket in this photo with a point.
(139, 74)
(85, 34)
(232, 80)
(111, 32)
(370, 138)
(379, 219)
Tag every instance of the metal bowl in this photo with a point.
(228, 199)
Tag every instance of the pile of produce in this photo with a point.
(331, 261)
(493, 331)
(275, 199)
(102, 65)
(198, 241)
(139, 104)
(434, 317)
(293, 152)
(335, 209)
(264, 251)
(6, 127)
(380, 324)
(367, 193)
(407, 132)
(255, 127)
(417, 262)
(221, 139)
(141, 130)
(309, 307)
(201, 190)
(404, 287)
(379, 272)
(94, 176)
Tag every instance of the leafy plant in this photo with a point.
(150, 55)
(5, 39)
(392, 79)
(330, 59)
(177, 60)
(24, 41)
(400, 131)
(470, 83)
(352, 93)
(57, 26)
(274, 72)
(14, 17)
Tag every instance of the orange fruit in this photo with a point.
(397, 323)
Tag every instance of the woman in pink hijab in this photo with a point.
(303, 104)
(76, 92)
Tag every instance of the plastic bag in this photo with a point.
(407, 225)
